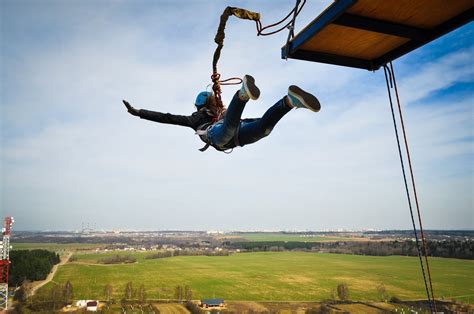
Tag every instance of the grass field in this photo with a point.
(56, 246)
(294, 276)
(270, 236)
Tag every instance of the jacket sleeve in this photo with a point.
(168, 118)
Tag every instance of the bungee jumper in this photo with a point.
(223, 128)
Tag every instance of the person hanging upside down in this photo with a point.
(231, 131)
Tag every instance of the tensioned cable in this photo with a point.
(390, 85)
(291, 27)
(296, 11)
(414, 186)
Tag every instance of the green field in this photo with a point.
(284, 237)
(56, 246)
(262, 276)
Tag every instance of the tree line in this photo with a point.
(30, 265)
(59, 296)
(118, 259)
(62, 294)
(185, 252)
(462, 249)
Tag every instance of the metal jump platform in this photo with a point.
(367, 34)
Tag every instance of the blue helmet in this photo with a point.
(201, 99)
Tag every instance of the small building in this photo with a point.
(91, 306)
(212, 303)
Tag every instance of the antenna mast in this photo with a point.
(5, 262)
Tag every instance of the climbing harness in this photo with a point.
(203, 132)
(391, 84)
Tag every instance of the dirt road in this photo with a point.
(41, 283)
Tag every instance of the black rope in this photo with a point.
(296, 10)
(390, 85)
(423, 240)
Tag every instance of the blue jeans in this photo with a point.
(232, 131)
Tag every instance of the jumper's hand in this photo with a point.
(130, 109)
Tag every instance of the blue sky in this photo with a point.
(70, 154)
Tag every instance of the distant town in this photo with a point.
(383, 241)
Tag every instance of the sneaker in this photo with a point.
(301, 99)
(249, 89)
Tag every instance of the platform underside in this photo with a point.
(367, 34)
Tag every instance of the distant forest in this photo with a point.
(30, 265)
(463, 249)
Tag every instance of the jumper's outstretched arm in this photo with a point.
(131, 110)
(193, 121)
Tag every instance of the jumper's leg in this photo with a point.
(223, 132)
(254, 130)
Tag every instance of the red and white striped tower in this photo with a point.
(5, 262)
